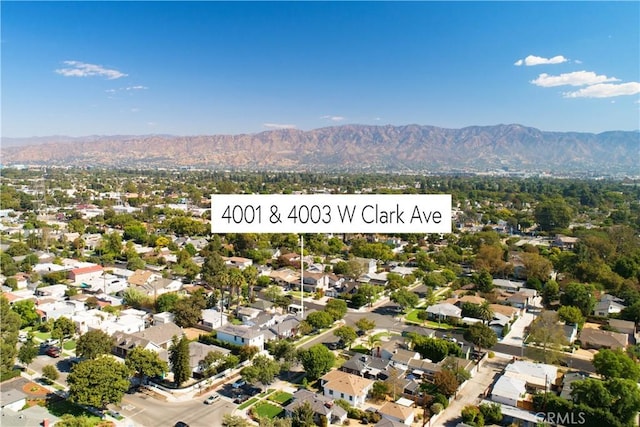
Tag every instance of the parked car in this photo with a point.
(238, 384)
(50, 342)
(212, 399)
(241, 399)
(53, 351)
(181, 424)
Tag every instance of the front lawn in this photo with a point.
(248, 403)
(281, 397)
(42, 335)
(413, 318)
(69, 345)
(268, 410)
(62, 407)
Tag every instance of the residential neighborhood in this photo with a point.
(122, 308)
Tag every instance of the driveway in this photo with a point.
(468, 395)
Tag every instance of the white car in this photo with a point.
(212, 399)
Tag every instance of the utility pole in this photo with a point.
(302, 276)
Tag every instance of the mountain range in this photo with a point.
(410, 148)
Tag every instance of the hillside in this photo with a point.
(347, 148)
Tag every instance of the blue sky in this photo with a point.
(83, 68)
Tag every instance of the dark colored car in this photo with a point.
(181, 424)
(241, 399)
(53, 352)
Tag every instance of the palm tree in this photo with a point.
(375, 339)
(485, 312)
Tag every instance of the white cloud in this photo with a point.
(136, 88)
(128, 88)
(576, 78)
(333, 118)
(539, 60)
(577, 61)
(278, 126)
(82, 69)
(605, 90)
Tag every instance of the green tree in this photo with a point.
(379, 390)
(63, 328)
(68, 420)
(571, 314)
(229, 420)
(93, 344)
(481, 335)
(492, 413)
(179, 360)
(263, 369)
(50, 372)
(471, 415)
(303, 416)
(550, 292)
(553, 214)
(626, 395)
(365, 325)
(187, 312)
(631, 313)
(273, 292)
(9, 327)
(166, 302)
(27, 353)
(337, 308)
(145, 363)
(319, 319)
(548, 334)
(404, 298)
(484, 280)
(316, 360)
(98, 382)
(616, 364)
(347, 334)
(536, 266)
(591, 392)
(27, 311)
(579, 295)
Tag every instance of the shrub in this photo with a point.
(441, 399)
(491, 355)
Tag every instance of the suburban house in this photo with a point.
(373, 368)
(315, 282)
(509, 390)
(398, 413)
(13, 399)
(444, 311)
(413, 329)
(198, 351)
(238, 262)
(322, 406)
(124, 343)
(341, 385)
(142, 277)
(241, 335)
(570, 333)
(84, 274)
(156, 338)
(597, 339)
(564, 242)
(623, 326)
(519, 300)
(607, 307)
(160, 286)
(286, 328)
(99, 320)
(212, 319)
(53, 291)
(369, 265)
(508, 285)
(285, 277)
(400, 359)
(536, 375)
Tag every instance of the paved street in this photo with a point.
(148, 411)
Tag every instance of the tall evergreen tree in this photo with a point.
(179, 360)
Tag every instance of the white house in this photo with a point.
(213, 319)
(53, 291)
(241, 335)
(83, 274)
(509, 390)
(341, 385)
(12, 399)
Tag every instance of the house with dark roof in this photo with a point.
(286, 328)
(373, 368)
(323, 407)
(198, 351)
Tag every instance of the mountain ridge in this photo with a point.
(384, 148)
